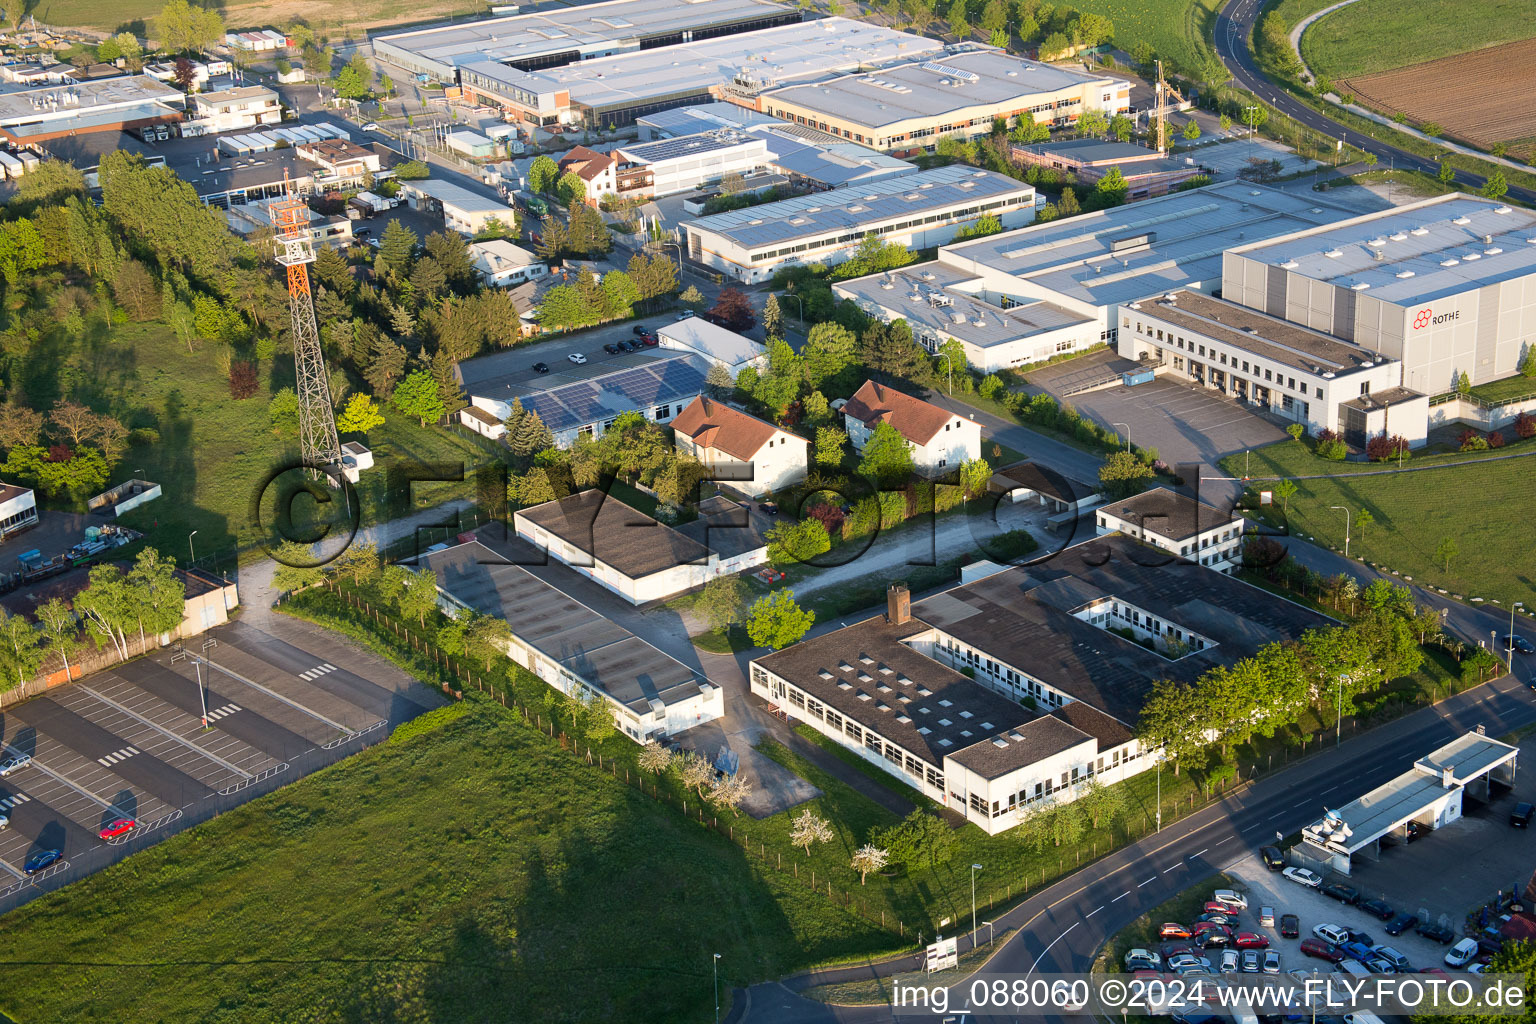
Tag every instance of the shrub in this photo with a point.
(1382, 448)
(1475, 443)
(991, 384)
(1296, 430)
(1495, 439)
(242, 379)
(1525, 426)
(1333, 450)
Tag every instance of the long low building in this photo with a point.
(1319, 381)
(573, 648)
(637, 557)
(615, 90)
(565, 35)
(917, 210)
(78, 108)
(1010, 692)
(907, 108)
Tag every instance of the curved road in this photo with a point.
(1235, 25)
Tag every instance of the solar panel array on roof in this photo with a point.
(600, 398)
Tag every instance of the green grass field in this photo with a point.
(1179, 31)
(1379, 35)
(470, 873)
(214, 451)
(1510, 389)
(139, 15)
(1484, 507)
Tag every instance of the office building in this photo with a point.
(1011, 691)
(1178, 524)
(917, 210)
(691, 161)
(567, 35)
(906, 108)
(501, 264)
(462, 209)
(1146, 171)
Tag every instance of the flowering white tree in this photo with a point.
(655, 758)
(808, 829)
(729, 791)
(867, 858)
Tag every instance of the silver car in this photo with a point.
(1251, 961)
(14, 764)
(1271, 962)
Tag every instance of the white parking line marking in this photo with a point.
(1122, 896)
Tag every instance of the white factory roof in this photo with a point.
(930, 88)
(717, 344)
(855, 207)
(687, 146)
(457, 196)
(585, 27)
(1412, 254)
(702, 117)
(944, 299)
(786, 53)
(1147, 248)
(55, 102)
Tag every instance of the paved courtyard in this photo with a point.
(1184, 423)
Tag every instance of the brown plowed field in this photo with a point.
(1480, 97)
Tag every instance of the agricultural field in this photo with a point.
(1177, 30)
(351, 17)
(1482, 97)
(1383, 35)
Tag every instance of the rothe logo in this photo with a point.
(1421, 320)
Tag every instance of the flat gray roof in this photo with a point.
(934, 296)
(857, 206)
(834, 163)
(1092, 150)
(699, 144)
(930, 88)
(1441, 246)
(785, 53)
(1146, 248)
(1169, 513)
(602, 396)
(702, 117)
(449, 194)
(1248, 329)
(1468, 757)
(85, 99)
(615, 534)
(587, 26)
(604, 654)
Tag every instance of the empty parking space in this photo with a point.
(45, 814)
(1184, 423)
(80, 770)
(373, 700)
(184, 725)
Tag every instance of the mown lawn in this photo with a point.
(1179, 31)
(1483, 507)
(1378, 35)
(1510, 389)
(473, 872)
(214, 452)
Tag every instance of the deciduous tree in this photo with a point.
(776, 621)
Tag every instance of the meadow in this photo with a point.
(1379, 35)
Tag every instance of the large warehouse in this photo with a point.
(1446, 286)
(565, 35)
(1087, 266)
(618, 89)
(916, 210)
(908, 107)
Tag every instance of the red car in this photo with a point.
(1250, 940)
(1215, 907)
(1201, 927)
(1321, 950)
(117, 828)
(1172, 930)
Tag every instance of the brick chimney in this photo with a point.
(898, 604)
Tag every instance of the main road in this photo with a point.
(1235, 25)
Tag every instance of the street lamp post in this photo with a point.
(950, 366)
(974, 868)
(190, 549)
(1345, 510)
(1127, 427)
(801, 303)
(1159, 793)
(1517, 604)
(717, 988)
(1338, 722)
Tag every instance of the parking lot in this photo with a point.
(1184, 423)
(129, 743)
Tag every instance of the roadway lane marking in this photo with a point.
(1095, 910)
(1147, 882)
(1194, 855)
(13, 800)
(121, 754)
(1174, 868)
(1122, 896)
(1330, 789)
(1226, 840)
(1047, 949)
(1302, 804)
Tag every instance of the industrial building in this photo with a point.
(565, 35)
(1146, 171)
(709, 341)
(1445, 286)
(806, 156)
(637, 557)
(464, 210)
(223, 110)
(937, 303)
(573, 648)
(686, 163)
(1291, 371)
(1010, 690)
(1092, 263)
(108, 105)
(915, 210)
(656, 387)
(616, 90)
(908, 107)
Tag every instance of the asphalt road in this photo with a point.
(1235, 24)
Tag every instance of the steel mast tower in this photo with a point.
(318, 443)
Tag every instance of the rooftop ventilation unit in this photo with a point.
(1405, 274)
(1290, 265)
(1360, 286)
(1493, 251)
(1449, 263)
(1462, 221)
(1333, 254)
(1398, 236)
(1378, 255)
(1473, 256)
(1501, 209)
(1419, 231)
(1377, 242)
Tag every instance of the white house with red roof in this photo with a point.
(940, 440)
(746, 454)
